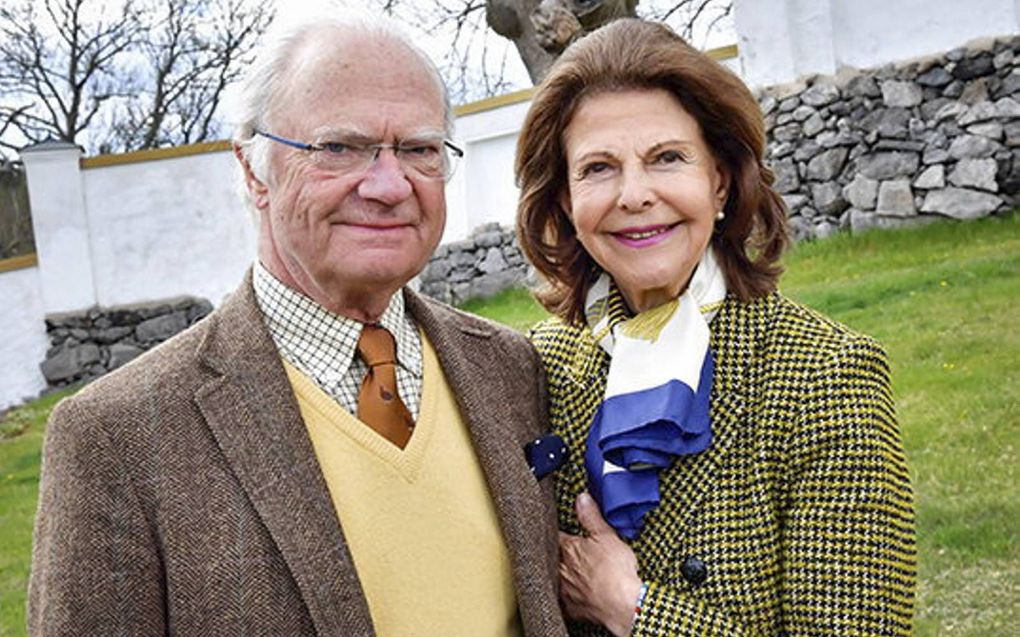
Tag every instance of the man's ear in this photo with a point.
(257, 190)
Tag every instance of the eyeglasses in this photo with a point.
(432, 158)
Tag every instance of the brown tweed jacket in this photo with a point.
(181, 494)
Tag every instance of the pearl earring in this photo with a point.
(719, 216)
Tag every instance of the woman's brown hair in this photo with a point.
(633, 54)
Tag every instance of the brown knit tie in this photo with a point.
(379, 404)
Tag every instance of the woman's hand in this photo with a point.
(599, 581)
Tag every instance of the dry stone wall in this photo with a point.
(900, 145)
(86, 345)
(486, 263)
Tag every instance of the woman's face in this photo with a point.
(643, 191)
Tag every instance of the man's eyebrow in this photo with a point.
(361, 137)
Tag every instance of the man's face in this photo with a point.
(350, 239)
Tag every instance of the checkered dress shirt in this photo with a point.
(323, 345)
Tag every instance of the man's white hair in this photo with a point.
(265, 78)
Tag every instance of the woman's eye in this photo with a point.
(667, 157)
(594, 169)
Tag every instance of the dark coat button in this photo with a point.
(694, 571)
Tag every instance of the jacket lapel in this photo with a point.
(250, 408)
(690, 478)
(470, 358)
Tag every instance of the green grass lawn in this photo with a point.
(943, 299)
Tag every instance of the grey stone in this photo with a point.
(888, 165)
(970, 68)
(807, 150)
(899, 144)
(460, 292)
(782, 149)
(814, 125)
(493, 261)
(896, 93)
(825, 228)
(980, 112)
(820, 94)
(436, 270)
(1012, 134)
(974, 92)
(954, 89)
(975, 173)
(826, 165)
(991, 130)
(464, 245)
(936, 76)
(828, 199)
(768, 104)
(931, 177)
(161, 327)
(786, 133)
(787, 179)
(1011, 83)
(462, 258)
(80, 334)
(489, 239)
(801, 228)
(863, 86)
(153, 310)
(952, 110)
(960, 203)
(967, 146)
(113, 334)
(494, 282)
(788, 104)
(199, 310)
(459, 275)
(121, 353)
(803, 112)
(935, 155)
(69, 362)
(829, 139)
(794, 202)
(1007, 108)
(861, 192)
(889, 122)
(1003, 59)
(895, 199)
(930, 108)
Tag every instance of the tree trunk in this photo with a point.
(541, 29)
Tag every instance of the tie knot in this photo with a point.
(376, 346)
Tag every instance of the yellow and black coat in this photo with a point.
(798, 520)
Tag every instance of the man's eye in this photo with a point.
(335, 148)
(420, 150)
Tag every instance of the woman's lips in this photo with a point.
(644, 236)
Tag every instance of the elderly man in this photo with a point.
(328, 453)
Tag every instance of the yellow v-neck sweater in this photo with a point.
(420, 523)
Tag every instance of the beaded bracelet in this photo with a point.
(640, 602)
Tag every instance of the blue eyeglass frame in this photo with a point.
(318, 147)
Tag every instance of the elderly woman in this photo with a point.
(735, 466)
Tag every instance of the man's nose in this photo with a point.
(385, 180)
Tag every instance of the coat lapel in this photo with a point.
(254, 417)
(470, 358)
(734, 341)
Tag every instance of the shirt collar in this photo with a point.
(318, 338)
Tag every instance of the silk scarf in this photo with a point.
(657, 394)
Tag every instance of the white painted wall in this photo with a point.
(783, 40)
(23, 341)
(165, 228)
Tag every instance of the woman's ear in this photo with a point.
(564, 200)
(257, 190)
(722, 189)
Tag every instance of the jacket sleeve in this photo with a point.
(847, 539)
(95, 565)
